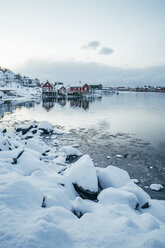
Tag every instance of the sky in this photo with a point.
(97, 41)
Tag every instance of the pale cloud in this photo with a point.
(92, 45)
(106, 51)
(71, 71)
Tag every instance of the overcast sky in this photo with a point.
(91, 40)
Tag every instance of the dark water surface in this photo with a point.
(129, 124)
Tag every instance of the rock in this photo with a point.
(135, 180)
(82, 176)
(118, 196)
(119, 156)
(43, 202)
(146, 205)
(4, 130)
(25, 128)
(46, 127)
(108, 157)
(85, 194)
(156, 187)
(112, 177)
(75, 145)
(71, 158)
(70, 153)
(141, 195)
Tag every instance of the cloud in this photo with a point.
(106, 51)
(71, 71)
(92, 45)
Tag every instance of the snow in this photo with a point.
(119, 156)
(45, 125)
(156, 187)
(117, 196)
(108, 157)
(142, 196)
(112, 177)
(19, 93)
(40, 206)
(76, 145)
(83, 174)
(29, 162)
(135, 180)
(69, 150)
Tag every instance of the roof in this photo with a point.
(77, 85)
(47, 83)
(59, 87)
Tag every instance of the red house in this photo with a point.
(85, 88)
(48, 89)
(79, 89)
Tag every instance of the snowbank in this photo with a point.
(16, 91)
(57, 198)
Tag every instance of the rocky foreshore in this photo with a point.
(19, 93)
(56, 197)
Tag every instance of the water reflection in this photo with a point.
(10, 107)
(49, 103)
(79, 103)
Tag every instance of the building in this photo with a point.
(2, 77)
(48, 89)
(78, 90)
(61, 90)
(58, 83)
(94, 87)
(18, 79)
(9, 76)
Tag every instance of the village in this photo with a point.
(16, 85)
(59, 90)
(86, 90)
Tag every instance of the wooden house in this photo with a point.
(78, 89)
(48, 89)
(61, 90)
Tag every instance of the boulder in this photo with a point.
(46, 127)
(118, 196)
(112, 177)
(82, 176)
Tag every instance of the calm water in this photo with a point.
(142, 114)
(131, 124)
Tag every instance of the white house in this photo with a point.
(9, 76)
(2, 77)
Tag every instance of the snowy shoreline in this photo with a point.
(19, 93)
(57, 198)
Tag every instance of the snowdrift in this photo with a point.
(55, 197)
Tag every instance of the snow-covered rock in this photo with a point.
(83, 176)
(83, 173)
(25, 128)
(118, 196)
(156, 187)
(46, 127)
(135, 180)
(40, 200)
(119, 156)
(69, 150)
(37, 145)
(29, 162)
(112, 177)
(142, 196)
(69, 154)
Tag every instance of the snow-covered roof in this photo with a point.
(77, 85)
(59, 86)
(8, 72)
